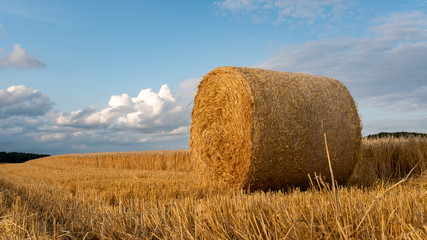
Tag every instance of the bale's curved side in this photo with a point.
(264, 129)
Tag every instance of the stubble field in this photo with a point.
(157, 195)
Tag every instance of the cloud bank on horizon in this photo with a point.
(156, 119)
(384, 66)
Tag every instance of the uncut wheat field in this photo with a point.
(156, 195)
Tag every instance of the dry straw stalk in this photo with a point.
(262, 129)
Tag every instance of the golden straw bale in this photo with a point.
(262, 129)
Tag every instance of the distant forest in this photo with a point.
(19, 157)
(396, 134)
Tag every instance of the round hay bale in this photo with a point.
(262, 129)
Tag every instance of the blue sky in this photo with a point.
(88, 76)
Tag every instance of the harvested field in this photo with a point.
(177, 160)
(56, 198)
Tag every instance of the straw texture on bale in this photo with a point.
(262, 129)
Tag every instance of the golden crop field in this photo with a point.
(156, 195)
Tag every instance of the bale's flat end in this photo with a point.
(220, 134)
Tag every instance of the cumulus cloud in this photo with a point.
(151, 120)
(49, 137)
(23, 112)
(147, 112)
(16, 125)
(23, 101)
(285, 10)
(19, 58)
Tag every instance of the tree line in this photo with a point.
(19, 157)
(396, 134)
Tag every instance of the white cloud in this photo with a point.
(18, 133)
(151, 120)
(49, 137)
(165, 93)
(23, 101)
(410, 26)
(120, 100)
(147, 112)
(18, 125)
(179, 130)
(388, 67)
(100, 118)
(73, 118)
(19, 58)
(399, 102)
(285, 10)
(386, 70)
